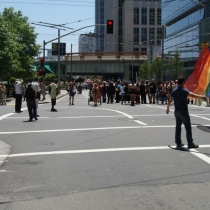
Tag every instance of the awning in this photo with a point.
(48, 69)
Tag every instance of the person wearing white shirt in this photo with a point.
(35, 86)
(18, 95)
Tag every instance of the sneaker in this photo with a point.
(179, 145)
(193, 146)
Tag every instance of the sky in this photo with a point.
(74, 14)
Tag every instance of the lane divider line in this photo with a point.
(139, 122)
(91, 129)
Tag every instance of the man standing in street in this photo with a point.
(35, 86)
(179, 95)
(31, 94)
(18, 95)
(53, 94)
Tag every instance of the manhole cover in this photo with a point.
(204, 128)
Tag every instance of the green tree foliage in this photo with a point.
(176, 66)
(50, 77)
(144, 70)
(17, 45)
(156, 68)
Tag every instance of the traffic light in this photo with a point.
(40, 73)
(109, 26)
(41, 62)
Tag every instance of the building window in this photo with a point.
(144, 16)
(136, 35)
(152, 36)
(135, 49)
(158, 16)
(136, 16)
(144, 36)
(152, 16)
(159, 36)
(143, 50)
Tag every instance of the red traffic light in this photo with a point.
(41, 59)
(110, 22)
(109, 25)
(39, 73)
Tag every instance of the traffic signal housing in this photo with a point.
(41, 62)
(110, 25)
(40, 73)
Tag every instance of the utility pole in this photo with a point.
(162, 53)
(59, 63)
(43, 86)
(71, 64)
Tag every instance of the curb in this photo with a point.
(46, 101)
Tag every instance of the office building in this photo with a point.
(86, 43)
(187, 26)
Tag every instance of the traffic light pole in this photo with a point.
(43, 86)
(58, 38)
(59, 63)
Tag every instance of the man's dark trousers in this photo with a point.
(183, 117)
(18, 102)
(31, 104)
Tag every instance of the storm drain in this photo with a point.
(204, 128)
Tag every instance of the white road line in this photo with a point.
(90, 117)
(22, 117)
(193, 115)
(92, 129)
(200, 155)
(3, 171)
(139, 122)
(105, 150)
(6, 115)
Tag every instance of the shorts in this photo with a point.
(53, 101)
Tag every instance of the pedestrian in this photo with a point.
(132, 91)
(110, 92)
(179, 95)
(18, 95)
(95, 93)
(152, 91)
(143, 92)
(53, 94)
(104, 92)
(31, 95)
(72, 92)
(147, 90)
(4, 93)
(35, 86)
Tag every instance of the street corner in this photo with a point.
(5, 150)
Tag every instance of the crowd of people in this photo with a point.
(143, 92)
(32, 93)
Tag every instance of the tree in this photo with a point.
(176, 66)
(156, 68)
(144, 70)
(17, 45)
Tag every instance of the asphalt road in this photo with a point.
(111, 157)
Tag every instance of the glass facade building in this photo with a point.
(99, 19)
(187, 26)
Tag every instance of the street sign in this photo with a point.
(55, 48)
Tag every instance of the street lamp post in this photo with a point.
(71, 63)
